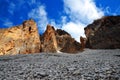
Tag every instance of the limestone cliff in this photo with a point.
(21, 39)
(104, 33)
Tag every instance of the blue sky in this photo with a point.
(70, 15)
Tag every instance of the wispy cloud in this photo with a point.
(75, 29)
(11, 8)
(16, 5)
(40, 15)
(31, 2)
(78, 14)
(117, 11)
(8, 23)
(82, 10)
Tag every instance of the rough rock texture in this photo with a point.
(66, 43)
(21, 39)
(48, 40)
(61, 37)
(104, 33)
(83, 42)
(58, 40)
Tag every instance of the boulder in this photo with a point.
(104, 33)
(21, 39)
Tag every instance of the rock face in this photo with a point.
(83, 42)
(61, 37)
(48, 40)
(104, 33)
(58, 40)
(25, 39)
(21, 39)
(66, 43)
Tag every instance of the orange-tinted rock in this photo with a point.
(48, 40)
(104, 33)
(21, 39)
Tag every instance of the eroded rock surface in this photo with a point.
(25, 39)
(104, 33)
(83, 42)
(58, 40)
(66, 43)
(21, 39)
(48, 40)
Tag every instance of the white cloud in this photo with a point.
(82, 10)
(75, 29)
(64, 19)
(107, 10)
(80, 13)
(40, 15)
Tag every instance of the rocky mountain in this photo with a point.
(58, 40)
(21, 39)
(25, 39)
(104, 33)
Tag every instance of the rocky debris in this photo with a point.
(48, 40)
(104, 33)
(88, 65)
(21, 39)
(66, 43)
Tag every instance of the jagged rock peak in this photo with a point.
(62, 32)
(48, 40)
(21, 39)
(58, 40)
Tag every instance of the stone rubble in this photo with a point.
(87, 65)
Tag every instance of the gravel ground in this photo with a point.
(87, 65)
